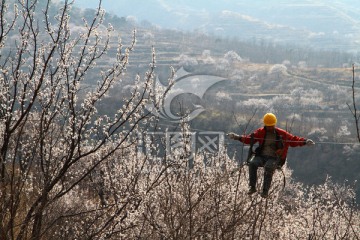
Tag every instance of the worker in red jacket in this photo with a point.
(271, 152)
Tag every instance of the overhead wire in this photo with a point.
(232, 142)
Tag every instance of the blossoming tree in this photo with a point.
(53, 142)
(68, 172)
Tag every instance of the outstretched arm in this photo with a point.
(233, 136)
(246, 138)
(295, 141)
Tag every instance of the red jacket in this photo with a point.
(284, 140)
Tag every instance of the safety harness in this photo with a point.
(252, 153)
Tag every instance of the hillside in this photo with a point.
(113, 133)
(308, 88)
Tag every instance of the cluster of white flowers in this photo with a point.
(277, 69)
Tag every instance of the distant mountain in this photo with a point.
(321, 24)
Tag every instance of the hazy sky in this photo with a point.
(178, 13)
(173, 13)
(335, 20)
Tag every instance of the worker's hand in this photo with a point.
(310, 142)
(233, 136)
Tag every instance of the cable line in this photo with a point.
(233, 142)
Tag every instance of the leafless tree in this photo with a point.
(353, 106)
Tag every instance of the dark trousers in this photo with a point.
(269, 163)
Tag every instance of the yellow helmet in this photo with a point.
(269, 119)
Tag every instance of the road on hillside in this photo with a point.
(319, 82)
